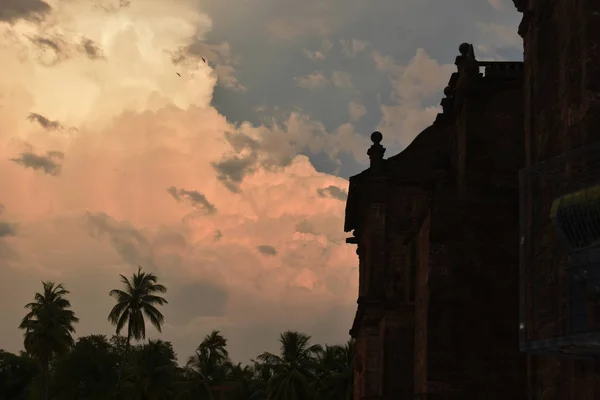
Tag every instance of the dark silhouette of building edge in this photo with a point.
(467, 240)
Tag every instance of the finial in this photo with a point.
(464, 48)
(376, 151)
(448, 91)
(376, 137)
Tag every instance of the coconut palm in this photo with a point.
(209, 367)
(139, 299)
(293, 369)
(48, 328)
(335, 373)
(154, 372)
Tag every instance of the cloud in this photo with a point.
(407, 114)
(341, 79)
(499, 5)
(218, 56)
(43, 121)
(12, 10)
(271, 148)
(288, 28)
(194, 198)
(91, 49)
(50, 163)
(356, 110)
(319, 55)
(312, 81)
(140, 131)
(218, 234)
(353, 47)
(499, 35)
(7, 229)
(267, 250)
(333, 192)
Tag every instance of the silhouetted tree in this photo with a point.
(139, 299)
(293, 369)
(48, 328)
(17, 374)
(87, 372)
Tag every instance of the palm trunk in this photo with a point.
(122, 367)
(45, 379)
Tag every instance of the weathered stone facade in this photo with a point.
(562, 113)
(436, 228)
(442, 228)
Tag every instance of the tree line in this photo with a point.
(55, 366)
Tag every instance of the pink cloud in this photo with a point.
(141, 130)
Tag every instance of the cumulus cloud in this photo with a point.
(275, 147)
(413, 83)
(353, 47)
(142, 131)
(319, 55)
(194, 198)
(333, 192)
(219, 56)
(341, 79)
(12, 10)
(356, 110)
(312, 81)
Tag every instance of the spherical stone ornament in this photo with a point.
(376, 137)
(464, 48)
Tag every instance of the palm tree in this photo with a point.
(48, 328)
(138, 300)
(209, 367)
(293, 369)
(154, 373)
(250, 381)
(335, 373)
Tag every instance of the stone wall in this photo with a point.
(562, 107)
(473, 257)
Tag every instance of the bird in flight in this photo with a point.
(204, 60)
(178, 74)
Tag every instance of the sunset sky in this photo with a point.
(228, 182)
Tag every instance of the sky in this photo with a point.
(227, 178)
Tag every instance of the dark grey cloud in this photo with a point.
(267, 250)
(232, 170)
(333, 192)
(50, 163)
(130, 243)
(7, 229)
(44, 122)
(91, 49)
(33, 10)
(193, 198)
(50, 50)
